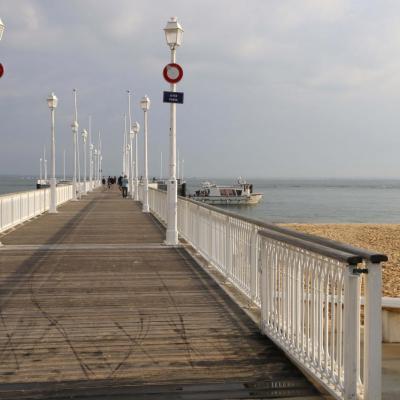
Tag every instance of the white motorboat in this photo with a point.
(238, 194)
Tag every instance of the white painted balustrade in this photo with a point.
(308, 290)
(16, 208)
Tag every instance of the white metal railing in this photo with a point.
(16, 208)
(307, 288)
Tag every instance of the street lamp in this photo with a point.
(2, 27)
(84, 138)
(145, 105)
(136, 129)
(52, 103)
(173, 35)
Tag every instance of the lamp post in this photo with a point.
(95, 165)
(40, 171)
(173, 34)
(124, 148)
(52, 103)
(84, 138)
(131, 165)
(45, 164)
(136, 164)
(91, 164)
(74, 127)
(64, 166)
(145, 105)
(90, 155)
(129, 146)
(136, 129)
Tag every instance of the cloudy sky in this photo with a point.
(273, 88)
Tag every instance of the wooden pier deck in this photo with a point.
(93, 305)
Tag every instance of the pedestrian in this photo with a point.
(120, 182)
(124, 185)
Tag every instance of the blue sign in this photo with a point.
(173, 97)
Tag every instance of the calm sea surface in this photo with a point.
(321, 201)
(287, 200)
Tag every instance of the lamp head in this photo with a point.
(136, 127)
(52, 101)
(84, 135)
(173, 33)
(2, 27)
(145, 103)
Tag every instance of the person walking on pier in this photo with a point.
(124, 185)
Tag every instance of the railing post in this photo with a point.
(263, 288)
(253, 263)
(228, 249)
(373, 333)
(350, 335)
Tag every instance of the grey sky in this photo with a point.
(285, 88)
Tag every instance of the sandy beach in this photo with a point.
(383, 238)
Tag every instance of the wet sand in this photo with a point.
(382, 238)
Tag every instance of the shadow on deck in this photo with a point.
(93, 305)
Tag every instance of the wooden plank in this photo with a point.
(130, 317)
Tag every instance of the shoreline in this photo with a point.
(383, 238)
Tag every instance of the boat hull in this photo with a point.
(254, 198)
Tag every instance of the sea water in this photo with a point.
(12, 184)
(296, 200)
(320, 200)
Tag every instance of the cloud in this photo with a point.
(264, 77)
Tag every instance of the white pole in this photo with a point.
(95, 166)
(124, 148)
(172, 218)
(136, 169)
(74, 136)
(53, 182)
(130, 150)
(131, 168)
(90, 155)
(45, 164)
(40, 171)
(64, 167)
(178, 166)
(146, 178)
(79, 165)
(183, 162)
(161, 167)
(99, 156)
(84, 165)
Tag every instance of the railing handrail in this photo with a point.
(345, 257)
(365, 254)
(308, 290)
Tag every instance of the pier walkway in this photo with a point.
(94, 305)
